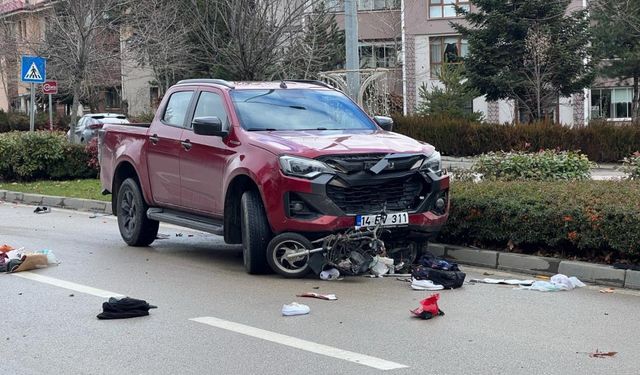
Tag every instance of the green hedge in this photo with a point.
(600, 141)
(27, 156)
(12, 121)
(587, 219)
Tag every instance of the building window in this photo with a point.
(612, 103)
(447, 49)
(377, 55)
(378, 4)
(446, 8)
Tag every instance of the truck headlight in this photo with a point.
(303, 167)
(433, 162)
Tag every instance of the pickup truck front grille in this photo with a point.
(399, 195)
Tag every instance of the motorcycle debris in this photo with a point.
(328, 297)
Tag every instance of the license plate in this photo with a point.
(392, 220)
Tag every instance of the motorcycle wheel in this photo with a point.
(281, 246)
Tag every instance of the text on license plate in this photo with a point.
(392, 219)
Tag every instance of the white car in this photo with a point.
(89, 124)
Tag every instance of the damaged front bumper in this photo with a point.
(330, 203)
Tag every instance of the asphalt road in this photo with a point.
(487, 329)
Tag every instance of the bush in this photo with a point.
(600, 141)
(631, 166)
(586, 219)
(13, 121)
(549, 165)
(42, 155)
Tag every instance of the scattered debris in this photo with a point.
(295, 308)
(328, 297)
(503, 281)
(487, 274)
(542, 277)
(557, 283)
(178, 234)
(162, 236)
(42, 210)
(607, 290)
(123, 308)
(425, 285)
(428, 308)
(330, 274)
(599, 354)
(71, 295)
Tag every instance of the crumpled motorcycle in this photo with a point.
(352, 252)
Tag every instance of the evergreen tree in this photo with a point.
(504, 62)
(452, 100)
(617, 40)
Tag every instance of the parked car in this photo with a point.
(252, 160)
(89, 124)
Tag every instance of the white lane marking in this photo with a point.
(297, 343)
(67, 285)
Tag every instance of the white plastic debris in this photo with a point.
(557, 283)
(330, 274)
(295, 308)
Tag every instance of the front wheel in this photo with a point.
(279, 254)
(256, 232)
(135, 227)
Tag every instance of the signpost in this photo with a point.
(33, 70)
(50, 88)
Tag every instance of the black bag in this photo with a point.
(448, 279)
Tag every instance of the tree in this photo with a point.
(8, 57)
(158, 34)
(82, 46)
(617, 40)
(452, 100)
(320, 46)
(246, 39)
(504, 61)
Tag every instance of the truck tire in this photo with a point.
(135, 228)
(287, 243)
(255, 233)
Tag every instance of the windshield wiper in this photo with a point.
(261, 130)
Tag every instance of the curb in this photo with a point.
(77, 204)
(535, 265)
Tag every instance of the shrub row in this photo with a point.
(29, 156)
(547, 165)
(12, 121)
(596, 220)
(600, 141)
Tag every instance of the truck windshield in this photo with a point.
(297, 109)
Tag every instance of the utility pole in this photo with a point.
(404, 60)
(351, 42)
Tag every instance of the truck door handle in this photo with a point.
(154, 139)
(186, 144)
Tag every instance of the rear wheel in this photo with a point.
(255, 233)
(279, 251)
(135, 228)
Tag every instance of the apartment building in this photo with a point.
(124, 87)
(429, 35)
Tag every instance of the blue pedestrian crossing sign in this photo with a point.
(34, 69)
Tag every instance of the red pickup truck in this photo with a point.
(249, 160)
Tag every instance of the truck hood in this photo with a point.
(316, 143)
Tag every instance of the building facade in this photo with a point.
(429, 36)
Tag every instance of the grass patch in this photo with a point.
(87, 189)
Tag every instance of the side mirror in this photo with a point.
(211, 126)
(386, 123)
